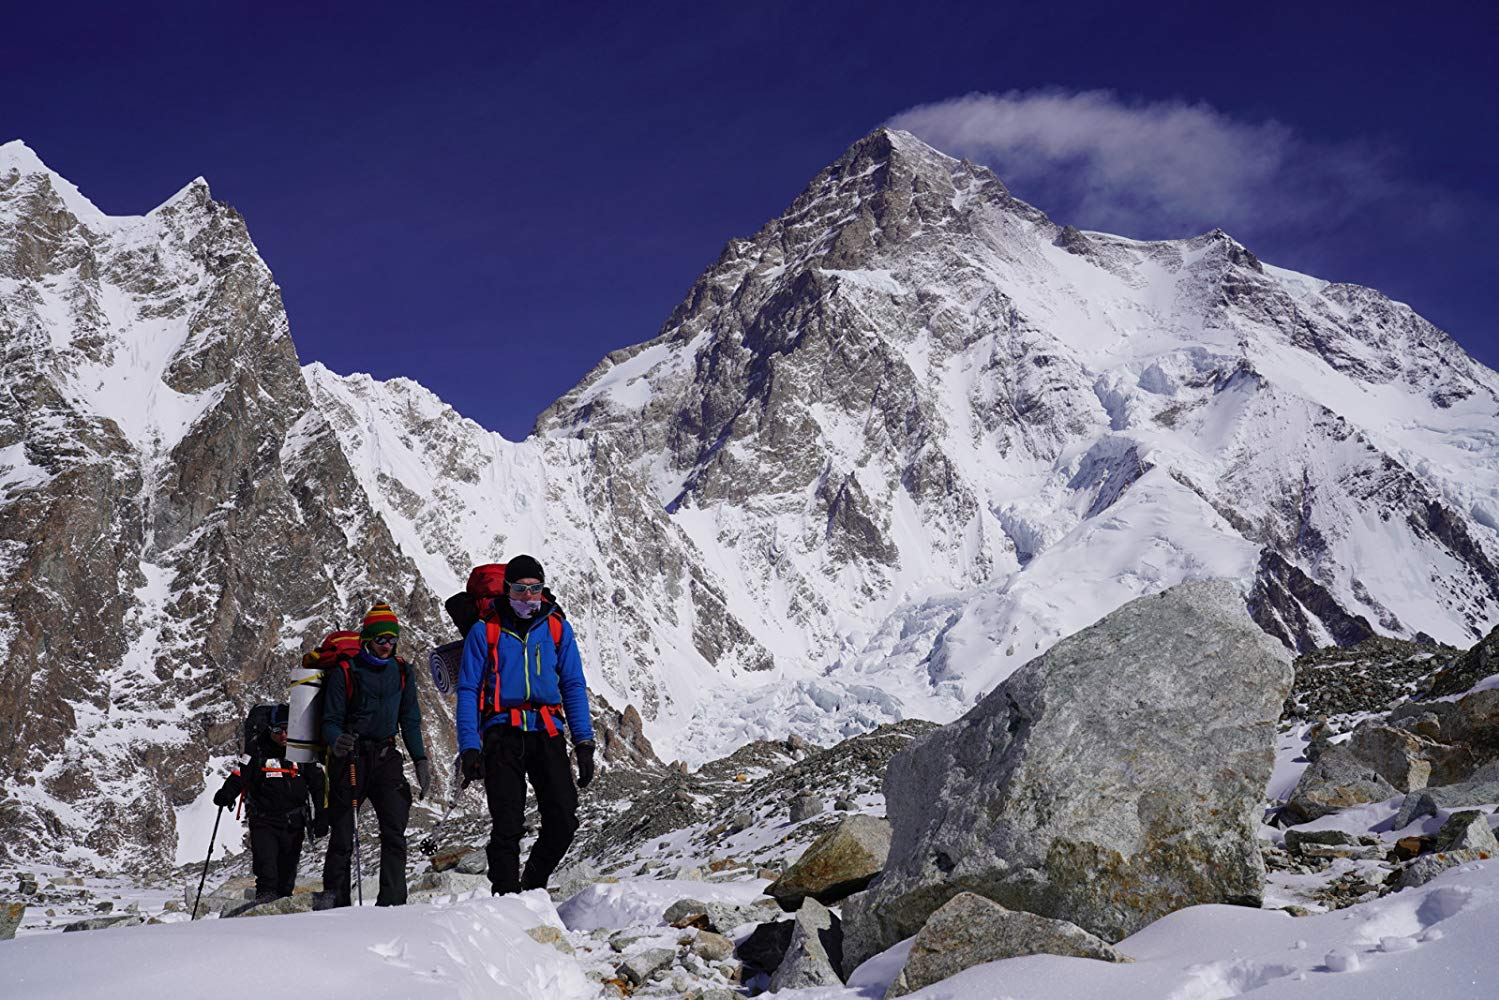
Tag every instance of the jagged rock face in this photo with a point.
(1108, 783)
(167, 547)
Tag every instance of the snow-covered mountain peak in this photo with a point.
(194, 193)
(24, 177)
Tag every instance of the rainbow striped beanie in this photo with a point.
(380, 621)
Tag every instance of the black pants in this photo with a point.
(379, 783)
(510, 758)
(275, 849)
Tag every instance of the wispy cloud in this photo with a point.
(1157, 168)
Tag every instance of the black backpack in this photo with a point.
(258, 724)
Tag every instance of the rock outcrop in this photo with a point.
(1109, 782)
(970, 930)
(815, 951)
(838, 864)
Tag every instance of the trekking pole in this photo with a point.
(211, 838)
(429, 844)
(358, 861)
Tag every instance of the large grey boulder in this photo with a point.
(1113, 780)
(840, 862)
(1337, 779)
(970, 930)
(815, 953)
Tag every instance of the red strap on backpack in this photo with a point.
(492, 636)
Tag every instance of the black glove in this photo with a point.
(320, 824)
(471, 763)
(224, 797)
(584, 750)
(344, 745)
(423, 775)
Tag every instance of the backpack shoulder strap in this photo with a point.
(555, 623)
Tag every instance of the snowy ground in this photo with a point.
(1432, 942)
(1435, 941)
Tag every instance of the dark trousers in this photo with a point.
(275, 849)
(510, 758)
(379, 783)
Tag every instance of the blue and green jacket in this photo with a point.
(381, 703)
(532, 669)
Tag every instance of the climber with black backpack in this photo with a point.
(365, 700)
(281, 800)
(520, 684)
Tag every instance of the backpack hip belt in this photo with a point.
(548, 715)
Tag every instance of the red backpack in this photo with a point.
(478, 603)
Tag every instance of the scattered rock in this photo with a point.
(1429, 866)
(447, 859)
(435, 885)
(741, 820)
(1426, 801)
(1467, 830)
(815, 952)
(1108, 782)
(712, 947)
(27, 885)
(621, 941)
(66, 880)
(573, 879)
(303, 902)
(637, 969)
(100, 923)
(11, 915)
(1335, 780)
(843, 805)
(970, 930)
(1327, 844)
(104, 906)
(1398, 756)
(475, 862)
(547, 934)
(805, 807)
(766, 945)
(837, 864)
(1410, 847)
(686, 913)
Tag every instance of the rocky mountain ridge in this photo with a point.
(886, 451)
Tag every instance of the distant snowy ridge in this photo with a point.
(887, 450)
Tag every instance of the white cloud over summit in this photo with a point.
(1155, 168)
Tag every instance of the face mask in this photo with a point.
(525, 609)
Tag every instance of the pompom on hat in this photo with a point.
(380, 621)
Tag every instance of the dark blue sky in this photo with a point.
(491, 197)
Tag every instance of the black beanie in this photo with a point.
(522, 567)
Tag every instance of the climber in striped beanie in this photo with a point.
(362, 713)
(380, 621)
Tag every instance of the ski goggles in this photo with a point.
(524, 589)
(383, 640)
